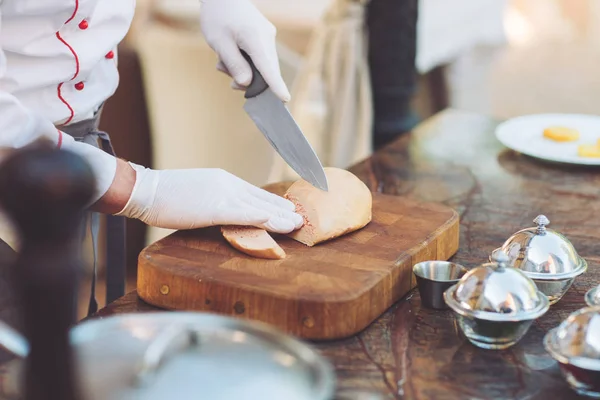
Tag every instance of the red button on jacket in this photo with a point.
(110, 55)
(79, 85)
(83, 25)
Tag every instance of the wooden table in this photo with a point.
(416, 353)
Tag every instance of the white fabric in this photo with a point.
(231, 25)
(44, 54)
(331, 97)
(287, 14)
(195, 198)
(447, 29)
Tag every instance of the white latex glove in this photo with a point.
(231, 25)
(195, 198)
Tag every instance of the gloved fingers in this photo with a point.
(272, 198)
(276, 211)
(263, 52)
(235, 86)
(279, 225)
(235, 64)
(242, 214)
(222, 68)
(296, 219)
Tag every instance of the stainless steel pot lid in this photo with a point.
(543, 253)
(576, 340)
(495, 291)
(179, 355)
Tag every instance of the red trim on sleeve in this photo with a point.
(60, 139)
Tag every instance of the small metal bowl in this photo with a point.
(545, 256)
(592, 297)
(575, 345)
(495, 305)
(434, 278)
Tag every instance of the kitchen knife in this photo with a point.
(273, 119)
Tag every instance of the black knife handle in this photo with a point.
(258, 83)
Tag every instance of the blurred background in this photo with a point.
(497, 57)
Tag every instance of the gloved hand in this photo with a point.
(195, 198)
(231, 25)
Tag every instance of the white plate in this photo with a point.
(525, 135)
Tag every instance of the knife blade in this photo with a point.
(274, 120)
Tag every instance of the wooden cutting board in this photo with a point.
(329, 291)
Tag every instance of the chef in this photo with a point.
(58, 65)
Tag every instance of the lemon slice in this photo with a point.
(589, 150)
(561, 134)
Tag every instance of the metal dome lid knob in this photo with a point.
(501, 259)
(541, 221)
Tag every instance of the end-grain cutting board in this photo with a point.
(332, 290)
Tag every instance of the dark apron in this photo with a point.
(87, 132)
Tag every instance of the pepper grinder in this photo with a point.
(44, 192)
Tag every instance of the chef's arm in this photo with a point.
(119, 192)
(173, 199)
(20, 126)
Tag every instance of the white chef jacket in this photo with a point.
(57, 66)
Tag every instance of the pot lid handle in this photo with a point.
(157, 350)
(501, 259)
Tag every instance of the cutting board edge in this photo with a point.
(448, 231)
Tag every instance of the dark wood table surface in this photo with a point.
(416, 353)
